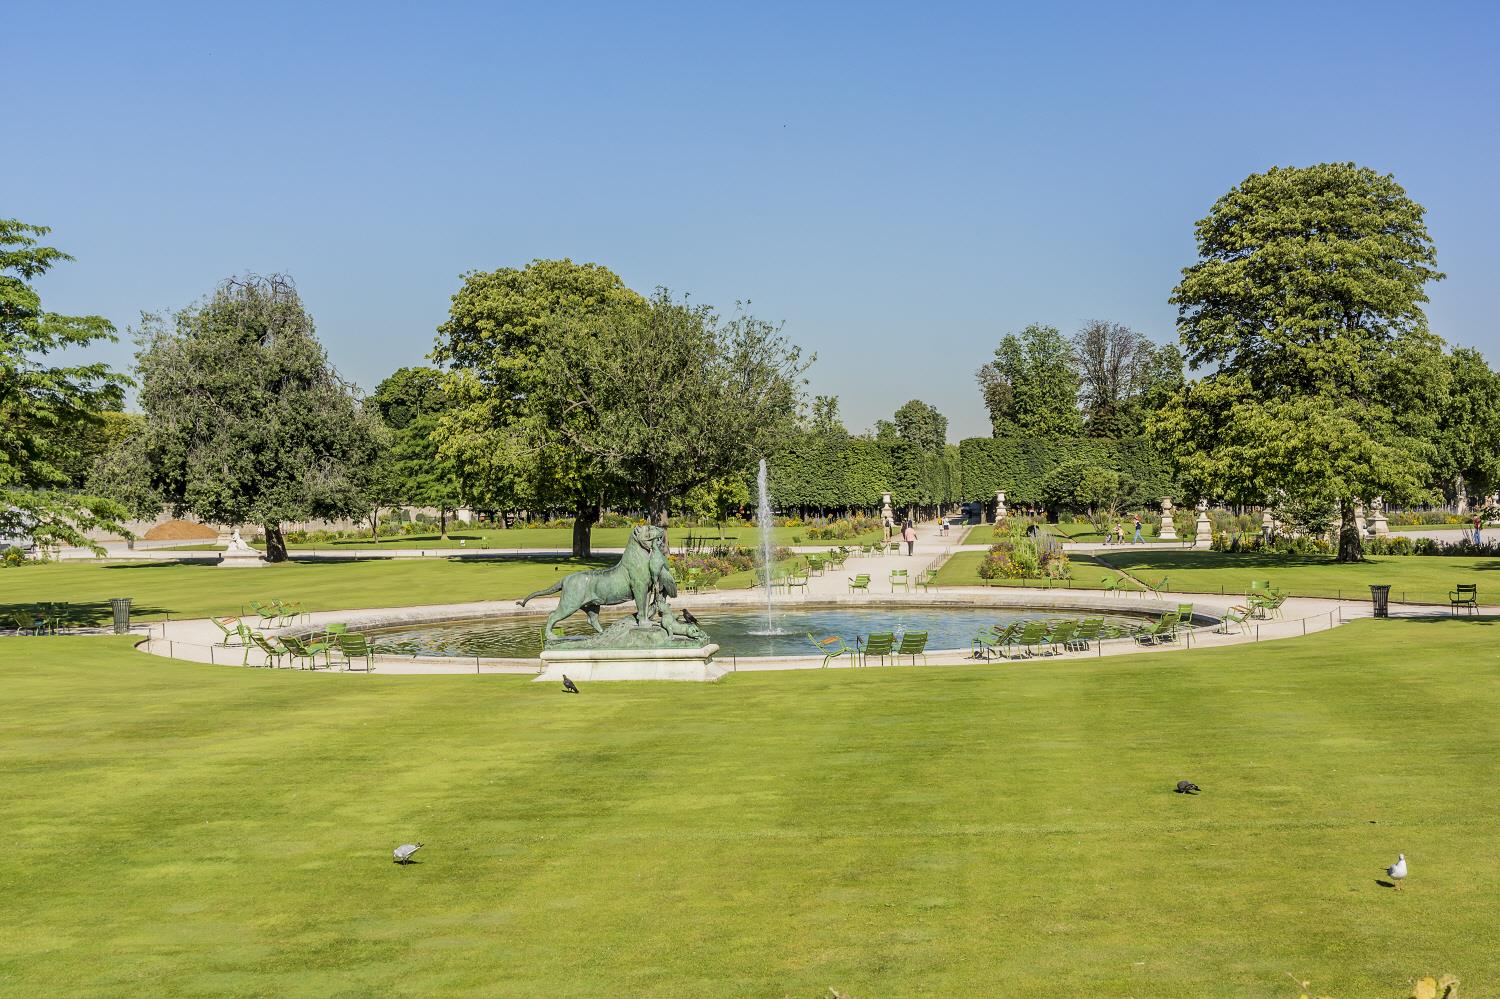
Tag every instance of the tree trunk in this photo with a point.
(584, 519)
(375, 524)
(443, 523)
(1351, 545)
(275, 543)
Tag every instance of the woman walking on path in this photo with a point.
(909, 535)
(1137, 539)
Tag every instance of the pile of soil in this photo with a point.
(181, 530)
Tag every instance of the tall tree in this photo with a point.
(1031, 385)
(669, 397)
(922, 426)
(1468, 438)
(47, 409)
(497, 331)
(246, 421)
(1123, 377)
(412, 403)
(1305, 309)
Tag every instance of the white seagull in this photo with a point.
(1397, 871)
(402, 854)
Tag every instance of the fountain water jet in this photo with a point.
(767, 546)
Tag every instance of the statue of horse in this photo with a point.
(633, 578)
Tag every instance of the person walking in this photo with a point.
(909, 535)
(1478, 530)
(1137, 539)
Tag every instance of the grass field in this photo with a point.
(175, 829)
(561, 538)
(962, 569)
(159, 589)
(1420, 579)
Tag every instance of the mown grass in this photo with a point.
(183, 830)
(561, 538)
(1414, 578)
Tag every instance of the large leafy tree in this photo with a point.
(246, 421)
(48, 412)
(1031, 384)
(412, 403)
(922, 426)
(1124, 377)
(666, 396)
(1304, 308)
(1468, 438)
(498, 432)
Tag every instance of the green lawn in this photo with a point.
(962, 569)
(1420, 579)
(181, 590)
(175, 829)
(561, 538)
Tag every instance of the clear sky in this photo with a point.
(900, 184)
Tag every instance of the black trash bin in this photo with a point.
(121, 606)
(1381, 597)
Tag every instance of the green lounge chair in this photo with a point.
(273, 653)
(1115, 584)
(1032, 636)
(1157, 587)
(355, 647)
(859, 583)
(879, 645)
(913, 644)
(301, 649)
(268, 614)
(928, 580)
(1185, 616)
(1234, 616)
(1267, 606)
(1061, 636)
(832, 647)
(291, 610)
(987, 645)
(1089, 631)
(29, 622)
(1159, 631)
(1464, 595)
(900, 577)
(231, 628)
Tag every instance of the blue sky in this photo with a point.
(900, 184)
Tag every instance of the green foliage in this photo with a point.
(921, 426)
(412, 402)
(1018, 464)
(1078, 485)
(1123, 376)
(1017, 556)
(246, 421)
(1468, 433)
(1305, 310)
(49, 414)
(1031, 385)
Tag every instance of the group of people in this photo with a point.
(1116, 534)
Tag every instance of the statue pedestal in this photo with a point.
(250, 559)
(690, 663)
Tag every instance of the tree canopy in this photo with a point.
(245, 420)
(1304, 308)
(1031, 385)
(48, 412)
(921, 426)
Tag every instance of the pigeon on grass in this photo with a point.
(1187, 787)
(569, 686)
(402, 854)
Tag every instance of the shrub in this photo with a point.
(13, 557)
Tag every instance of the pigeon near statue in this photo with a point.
(402, 854)
(569, 686)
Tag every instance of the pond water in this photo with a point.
(734, 628)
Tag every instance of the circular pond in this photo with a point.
(738, 630)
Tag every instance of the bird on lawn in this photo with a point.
(1397, 871)
(1187, 787)
(402, 854)
(569, 685)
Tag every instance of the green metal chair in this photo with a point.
(1061, 636)
(1185, 615)
(1089, 631)
(859, 583)
(301, 649)
(913, 644)
(832, 647)
(1235, 616)
(928, 580)
(1464, 595)
(815, 565)
(273, 653)
(268, 614)
(356, 647)
(900, 577)
(988, 645)
(1156, 588)
(231, 628)
(1158, 631)
(691, 578)
(795, 580)
(1115, 584)
(879, 645)
(1032, 636)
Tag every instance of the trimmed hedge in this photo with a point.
(1017, 464)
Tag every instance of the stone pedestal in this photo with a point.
(1359, 517)
(1205, 527)
(1000, 506)
(1378, 526)
(238, 555)
(594, 665)
(1168, 530)
(887, 515)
